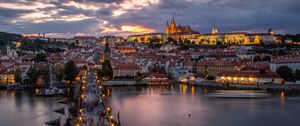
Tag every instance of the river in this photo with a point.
(161, 106)
(22, 108)
(171, 106)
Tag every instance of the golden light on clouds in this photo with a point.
(137, 29)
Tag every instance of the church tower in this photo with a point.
(214, 30)
(173, 26)
(167, 28)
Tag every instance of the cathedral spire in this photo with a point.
(167, 28)
(173, 22)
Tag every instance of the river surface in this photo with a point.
(22, 108)
(162, 106)
(171, 106)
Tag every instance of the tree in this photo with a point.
(142, 39)
(256, 59)
(45, 73)
(186, 41)
(180, 41)
(170, 39)
(41, 57)
(59, 72)
(32, 74)
(209, 77)
(267, 59)
(106, 47)
(297, 75)
(70, 71)
(18, 75)
(106, 70)
(219, 43)
(285, 72)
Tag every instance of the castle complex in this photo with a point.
(185, 33)
(173, 29)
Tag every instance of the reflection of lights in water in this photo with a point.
(36, 91)
(282, 98)
(193, 90)
(108, 92)
(183, 88)
(282, 94)
(205, 91)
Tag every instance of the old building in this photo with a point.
(249, 77)
(126, 70)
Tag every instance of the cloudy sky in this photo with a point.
(66, 18)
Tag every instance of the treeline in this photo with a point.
(7, 38)
(295, 38)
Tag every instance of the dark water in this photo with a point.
(22, 108)
(171, 106)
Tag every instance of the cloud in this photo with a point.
(124, 17)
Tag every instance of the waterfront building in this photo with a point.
(214, 67)
(7, 76)
(249, 77)
(157, 78)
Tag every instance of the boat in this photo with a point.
(45, 92)
(14, 87)
(50, 92)
(242, 94)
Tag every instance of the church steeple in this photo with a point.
(173, 22)
(172, 26)
(167, 28)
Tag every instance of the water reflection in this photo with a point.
(21, 108)
(170, 106)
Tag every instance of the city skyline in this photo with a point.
(60, 18)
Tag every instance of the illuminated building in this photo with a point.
(146, 38)
(249, 77)
(174, 29)
(214, 67)
(213, 38)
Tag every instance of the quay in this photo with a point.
(282, 87)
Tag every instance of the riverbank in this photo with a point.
(279, 87)
(120, 83)
(283, 87)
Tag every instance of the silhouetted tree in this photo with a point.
(70, 71)
(256, 59)
(297, 75)
(18, 75)
(267, 59)
(285, 72)
(41, 57)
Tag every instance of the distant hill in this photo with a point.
(8, 38)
